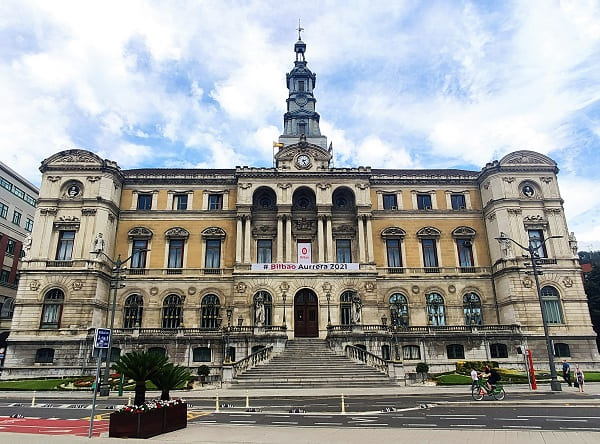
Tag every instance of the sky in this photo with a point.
(400, 84)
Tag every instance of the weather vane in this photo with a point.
(300, 29)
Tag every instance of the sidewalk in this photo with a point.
(196, 433)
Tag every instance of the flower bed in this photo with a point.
(150, 419)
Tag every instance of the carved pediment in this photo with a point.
(264, 231)
(214, 232)
(429, 232)
(393, 232)
(177, 232)
(343, 231)
(526, 157)
(463, 232)
(140, 232)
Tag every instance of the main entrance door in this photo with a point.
(306, 318)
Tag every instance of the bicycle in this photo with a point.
(480, 390)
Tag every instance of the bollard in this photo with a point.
(247, 400)
(33, 400)
(129, 399)
(343, 405)
(217, 404)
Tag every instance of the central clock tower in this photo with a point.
(301, 119)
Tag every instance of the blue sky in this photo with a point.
(400, 84)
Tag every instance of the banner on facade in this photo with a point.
(304, 253)
(325, 266)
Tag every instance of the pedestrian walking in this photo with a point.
(474, 378)
(579, 377)
(567, 372)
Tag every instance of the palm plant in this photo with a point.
(140, 366)
(170, 377)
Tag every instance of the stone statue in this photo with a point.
(99, 244)
(573, 243)
(27, 246)
(259, 313)
(506, 247)
(356, 310)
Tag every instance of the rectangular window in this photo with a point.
(458, 201)
(264, 251)
(411, 352)
(390, 202)
(201, 354)
(10, 246)
(5, 184)
(213, 253)
(176, 253)
(30, 200)
(17, 218)
(18, 192)
(215, 202)
(465, 252)
(4, 275)
(29, 225)
(180, 201)
(343, 249)
(552, 311)
(144, 202)
(302, 128)
(429, 253)
(64, 251)
(536, 240)
(424, 201)
(394, 257)
(301, 85)
(3, 211)
(138, 258)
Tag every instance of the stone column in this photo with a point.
(238, 241)
(329, 239)
(247, 239)
(279, 238)
(320, 240)
(369, 240)
(360, 232)
(288, 239)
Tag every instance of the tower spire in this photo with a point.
(300, 29)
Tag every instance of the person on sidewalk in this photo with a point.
(474, 378)
(567, 372)
(579, 377)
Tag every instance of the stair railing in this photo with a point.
(262, 355)
(368, 358)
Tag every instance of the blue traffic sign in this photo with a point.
(102, 338)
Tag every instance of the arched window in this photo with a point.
(158, 351)
(551, 305)
(472, 309)
(436, 313)
(562, 350)
(411, 352)
(44, 355)
(172, 311)
(201, 354)
(267, 302)
(498, 351)
(346, 307)
(7, 309)
(455, 351)
(52, 310)
(398, 310)
(210, 311)
(132, 312)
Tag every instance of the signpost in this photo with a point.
(101, 344)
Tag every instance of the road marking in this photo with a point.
(420, 425)
(512, 419)
(285, 422)
(372, 424)
(559, 417)
(319, 416)
(245, 415)
(327, 423)
(245, 422)
(468, 425)
(458, 416)
(277, 416)
(567, 420)
(591, 429)
(409, 417)
(522, 427)
(450, 418)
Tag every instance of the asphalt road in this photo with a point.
(518, 411)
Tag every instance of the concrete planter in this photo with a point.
(147, 424)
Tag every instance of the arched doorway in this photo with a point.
(306, 314)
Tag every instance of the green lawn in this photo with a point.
(508, 377)
(32, 384)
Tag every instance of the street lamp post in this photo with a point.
(534, 257)
(284, 287)
(229, 313)
(116, 270)
(327, 289)
(395, 321)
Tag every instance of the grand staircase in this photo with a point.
(307, 363)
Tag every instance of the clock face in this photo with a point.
(303, 161)
(301, 100)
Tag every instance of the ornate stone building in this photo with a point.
(403, 263)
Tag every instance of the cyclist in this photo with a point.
(492, 377)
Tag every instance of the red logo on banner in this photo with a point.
(304, 250)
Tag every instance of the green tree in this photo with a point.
(168, 378)
(592, 290)
(141, 367)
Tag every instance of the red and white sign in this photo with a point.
(304, 253)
